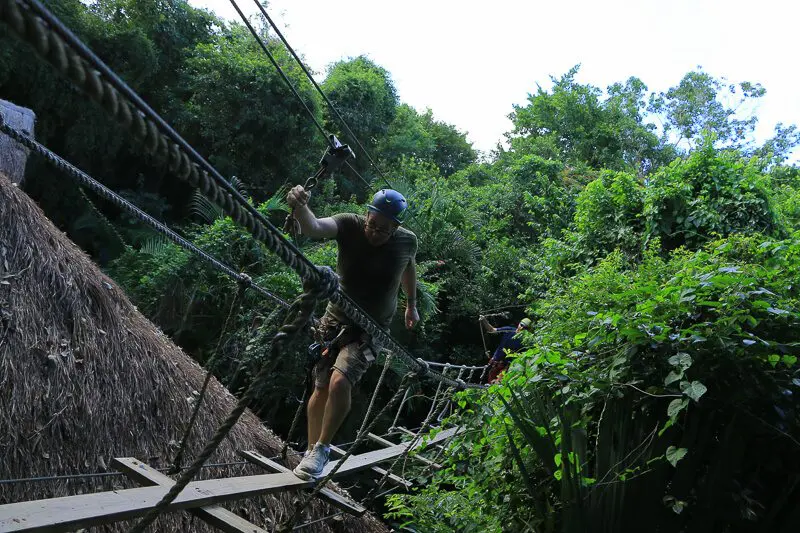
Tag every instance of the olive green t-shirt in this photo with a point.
(369, 274)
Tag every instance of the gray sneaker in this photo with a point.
(310, 468)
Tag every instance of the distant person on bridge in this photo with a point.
(376, 256)
(509, 342)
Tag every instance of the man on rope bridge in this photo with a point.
(376, 256)
(508, 343)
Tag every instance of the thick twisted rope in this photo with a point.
(56, 44)
(299, 314)
(85, 180)
(287, 524)
(296, 420)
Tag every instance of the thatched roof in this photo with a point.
(84, 377)
(12, 155)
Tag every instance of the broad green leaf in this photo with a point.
(676, 406)
(672, 377)
(675, 454)
(681, 359)
(693, 390)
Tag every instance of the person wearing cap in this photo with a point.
(509, 343)
(376, 257)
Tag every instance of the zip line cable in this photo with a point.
(321, 92)
(281, 72)
(291, 86)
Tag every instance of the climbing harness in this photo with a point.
(327, 348)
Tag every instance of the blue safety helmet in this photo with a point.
(390, 204)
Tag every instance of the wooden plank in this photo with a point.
(397, 480)
(68, 513)
(410, 433)
(380, 440)
(215, 515)
(330, 495)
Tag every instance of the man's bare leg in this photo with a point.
(337, 407)
(316, 411)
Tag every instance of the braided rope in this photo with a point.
(100, 216)
(56, 44)
(84, 179)
(411, 444)
(178, 460)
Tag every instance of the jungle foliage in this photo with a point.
(654, 244)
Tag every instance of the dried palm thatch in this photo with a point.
(84, 377)
(12, 155)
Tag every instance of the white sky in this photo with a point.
(470, 61)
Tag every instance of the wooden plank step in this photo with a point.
(56, 515)
(410, 433)
(397, 480)
(329, 495)
(380, 440)
(215, 515)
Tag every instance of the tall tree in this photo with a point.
(365, 96)
(577, 124)
(421, 137)
(702, 104)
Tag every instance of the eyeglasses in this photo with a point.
(378, 229)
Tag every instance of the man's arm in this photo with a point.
(310, 225)
(409, 282)
(488, 328)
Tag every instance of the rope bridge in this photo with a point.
(55, 43)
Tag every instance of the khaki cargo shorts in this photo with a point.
(356, 352)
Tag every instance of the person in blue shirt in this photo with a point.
(509, 342)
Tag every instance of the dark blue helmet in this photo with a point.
(390, 204)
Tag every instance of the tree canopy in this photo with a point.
(652, 242)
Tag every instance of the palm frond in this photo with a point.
(155, 245)
(203, 208)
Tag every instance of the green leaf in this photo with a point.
(676, 406)
(675, 454)
(789, 360)
(773, 359)
(672, 377)
(681, 359)
(669, 423)
(693, 390)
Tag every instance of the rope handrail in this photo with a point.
(58, 45)
(84, 179)
(454, 367)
